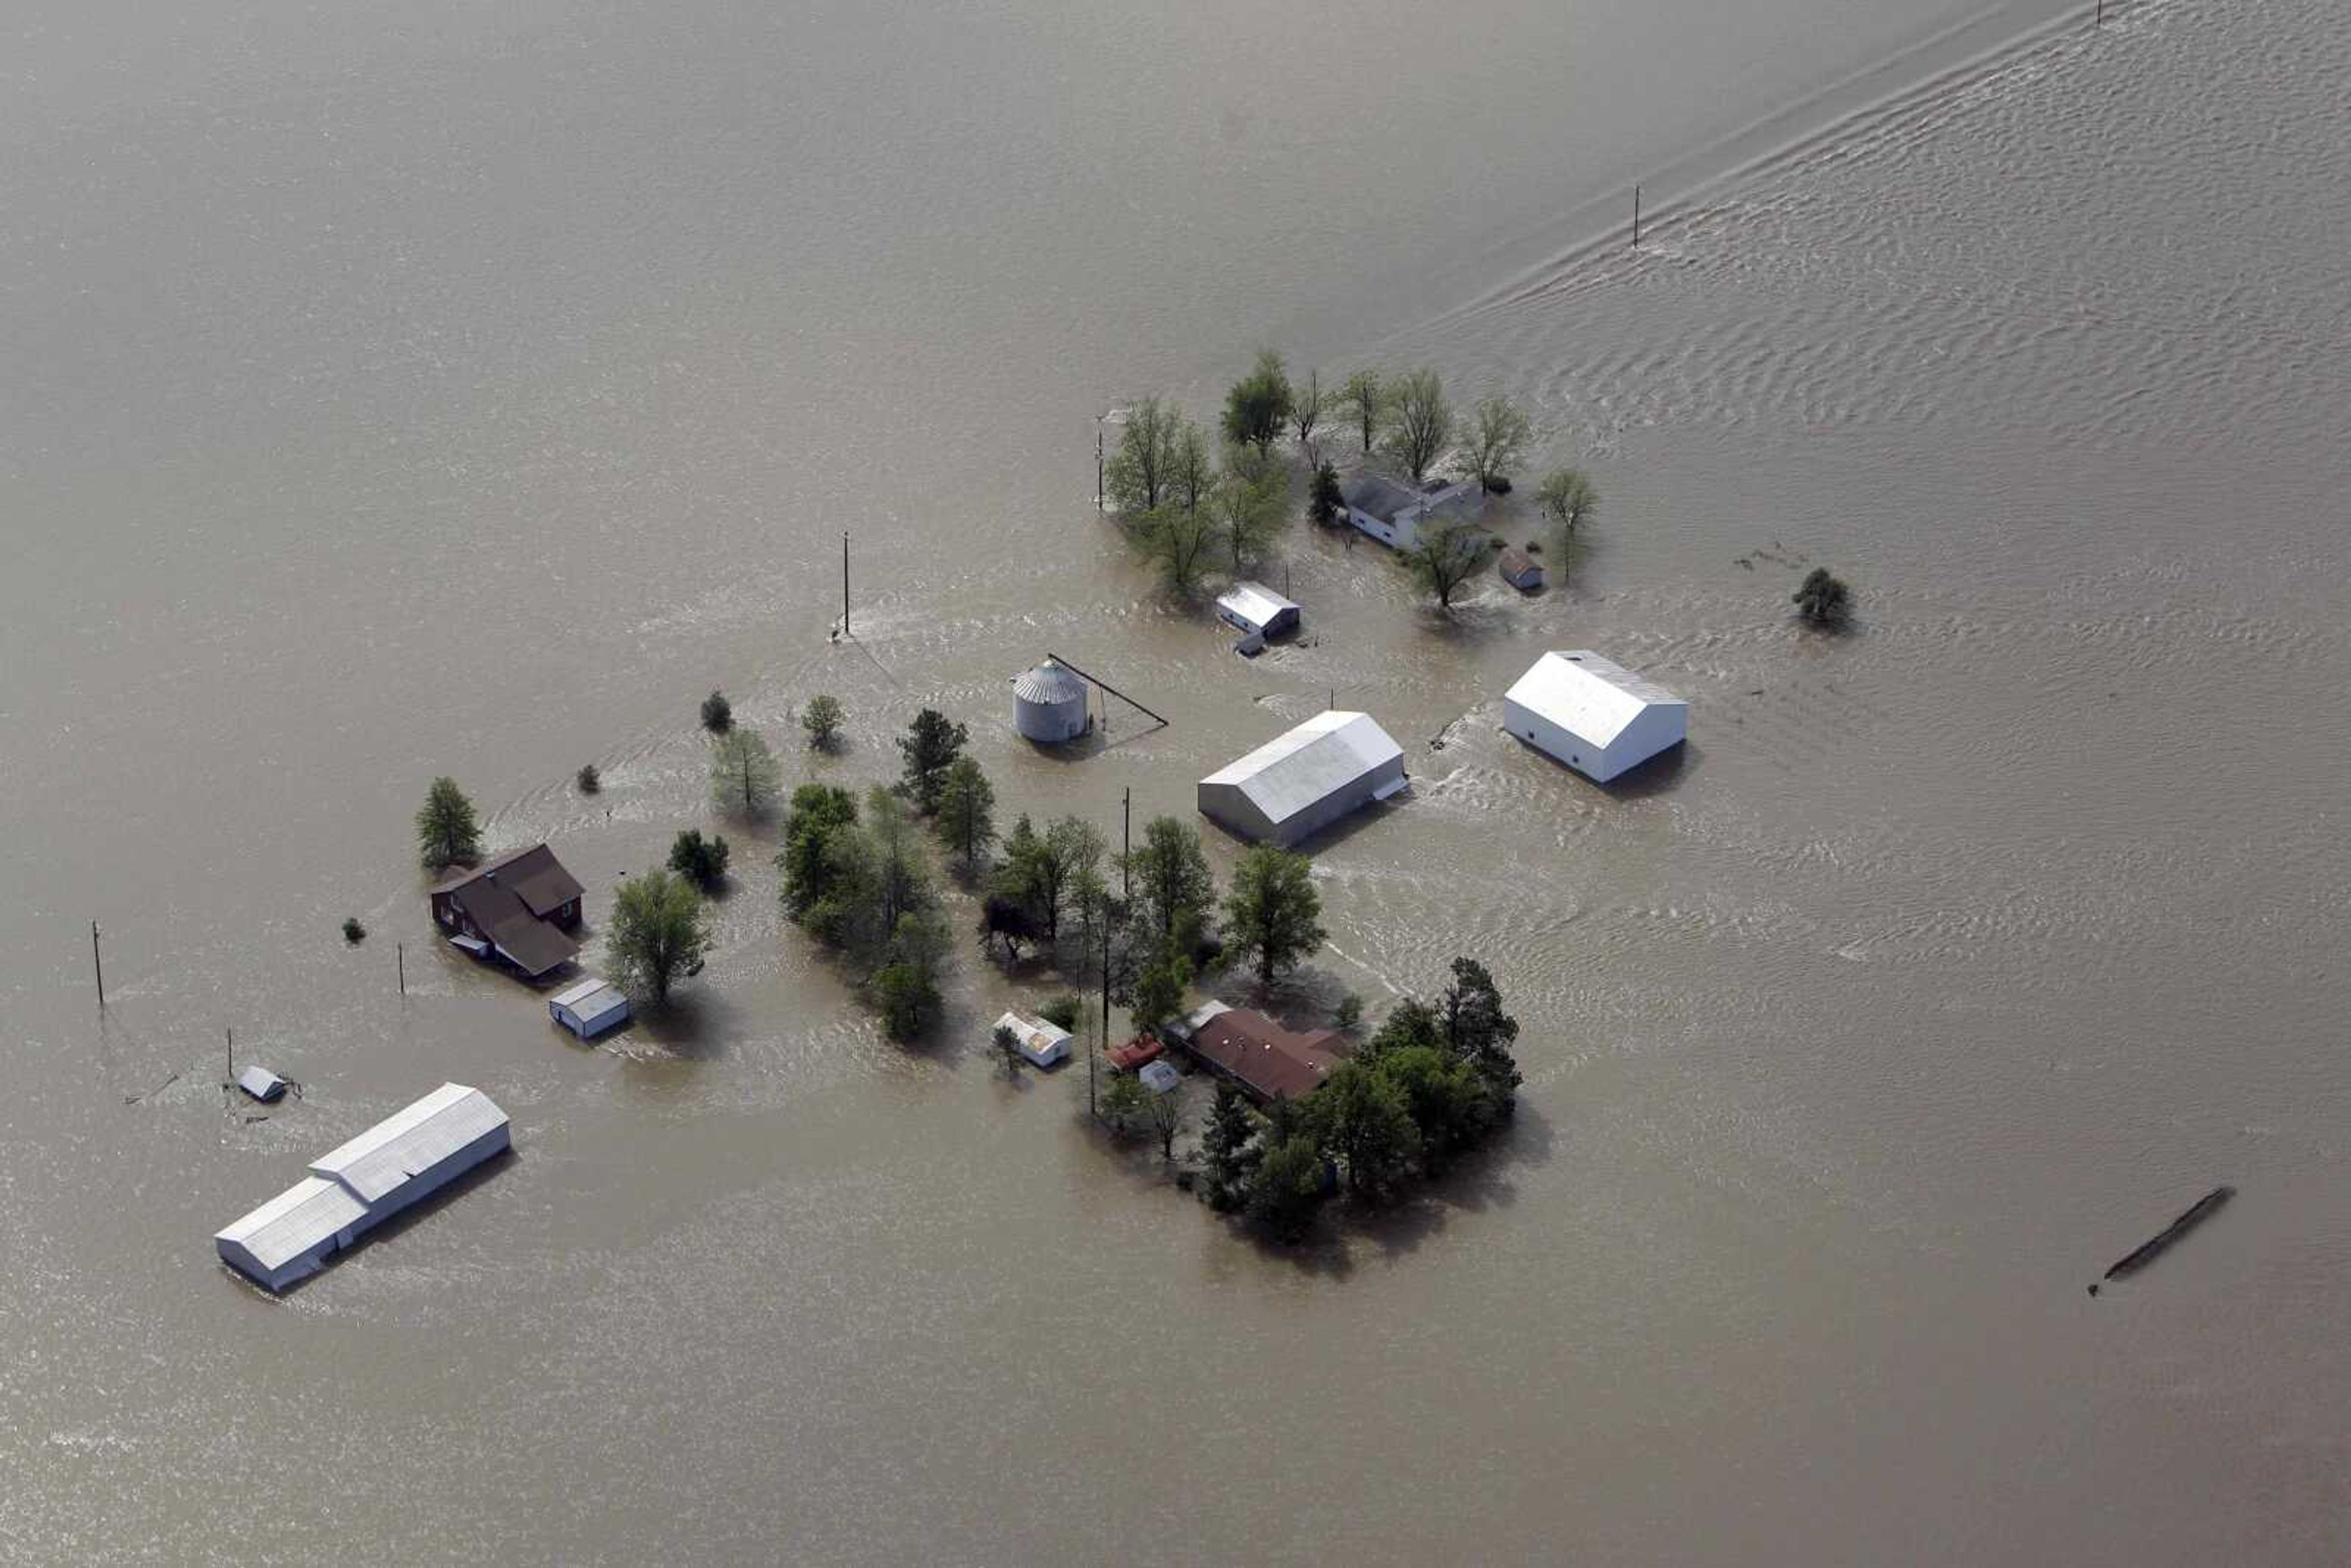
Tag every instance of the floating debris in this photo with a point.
(2154, 1247)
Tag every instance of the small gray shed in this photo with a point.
(589, 1007)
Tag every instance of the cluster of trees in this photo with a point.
(860, 882)
(1436, 1080)
(1191, 508)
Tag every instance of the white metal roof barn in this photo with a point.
(1594, 714)
(1254, 607)
(589, 1007)
(404, 1158)
(1302, 781)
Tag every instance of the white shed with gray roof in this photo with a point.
(1302, 781)
(1254, 607)
(1592, 714)
(402, 1158)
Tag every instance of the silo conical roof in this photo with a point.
(1049, 683)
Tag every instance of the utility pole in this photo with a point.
(1093, 1057)
(1637, 213)
(1101, 502)
(400, 952)
(1126, 855)
(232, 1054)
(844, 582)
(98, 964)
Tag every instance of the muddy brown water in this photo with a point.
(433, 391)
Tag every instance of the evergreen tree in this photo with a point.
(1286, 1188)
(967, 811)
(744, 775)
(929, 747)
(717, 714)
(446, 834)
(1173, 886)
(1228, 1143)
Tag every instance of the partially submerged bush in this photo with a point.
(352, 930)
(590, 780)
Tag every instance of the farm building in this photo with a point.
(589, 1007)
(1303, 781)
(517, 908)
(1392, 511)
(1592, 714)
(406, 1157)
(1042, 1041)
(261, 1083)
(1160, 1077)
(1265, 1059)
(1048, 704)
(1520, 570)
(1140, 1052)
(1254, 607)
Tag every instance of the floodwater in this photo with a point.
(402, 391)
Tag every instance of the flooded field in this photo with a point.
(443, 394)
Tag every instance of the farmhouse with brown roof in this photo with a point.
(517, 908)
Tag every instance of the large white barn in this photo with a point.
(404, 1158)
(1594, 714)
(1303, 781)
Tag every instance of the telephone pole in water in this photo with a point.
(1127, 855)
(844, 582)
(98, 964)
(1636, 217)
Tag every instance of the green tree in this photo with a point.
(1448, 554)
(1248, 505)
(967, 811)
(1348, 1013)
(1173, 886)
(447, 833)
(744, 775)
(1180, 544)
(819, 816)
(1159, 990)
(702, 862)
(1020, 877)
(1121, 1102)
(1191, 467)
(1273, 914)
(589, 781)
(1420, 422)
(929, 747)
(822, 720)
(1060, 1010)
(1072, 854)
(1823, 599)
(907, 1001)
(1363, 398)
(660, 930)
(1308, 405)
(1138, 470)
(717, 714)
(1227, 1143)
(1367, 1126)
(1006, 1046)
(1446, 1097)
(901, 881)
(1326, 498)
(1568, 500)
(1498, 435)
(1474, 1026)
(1260, 403)
(1286, 1188)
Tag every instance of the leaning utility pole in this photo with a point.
(1101, 502)
(1636, 217)
(98, 964)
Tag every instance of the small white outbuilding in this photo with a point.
(1302, 781)
(589, 1007)
(1048, 704)
(1592, 714)
(1160, 1077)
(1254, 607)
(1042, 1041)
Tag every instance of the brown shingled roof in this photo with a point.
(1269, 1059)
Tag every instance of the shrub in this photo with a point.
(1500, 484)
(1349, 1012)
(1061, 1011)
(590, 780)
(1823, 598)
(717, 714)
(822, 721)
(352, 930)
(702, 862)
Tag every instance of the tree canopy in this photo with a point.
(929, 747)
(1260, 403)
(822, 720)
(744, 775)
(701, 861)
(1419, 422)
(1248, 504)
(1823, 599)
(1138, 471)
(1172, 888)
(659, 930)
(717, 714)
(1191, 466)
(447, 833)
(1363, 398)
(967, 819)
(1448, 554)
(1273, 914)
(1181, 544)
(1496, 439)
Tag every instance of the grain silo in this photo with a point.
(1048, 704)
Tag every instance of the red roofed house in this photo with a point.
(518, 908)
(1266, 1060)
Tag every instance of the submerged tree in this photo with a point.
(1498, 431)
(1248, 505)
(822, 720)
(1307, 403)
(1568, 501)
(1823, 599)
(1273, 914)
(1286, 1188)
(820, 816)
(659, 931)
(702, 862)
(929, 747)
(1227, 1146)
(1363, 398)
(447, 833)
(744, 775)
(967, 819)
(1363, 1121)
(1180, 543)
(717, 714)
(1260, 403)
(1420, 421)
(1191, 466)
(1172, 886)
(1448, 554)
(1006, 1046)
(1325, 498)
(1138, 471)
(1163, 1113)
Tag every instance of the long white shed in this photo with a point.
(406, 1157)
(1042, 1041)
(1592, 714)
(1302, 781)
